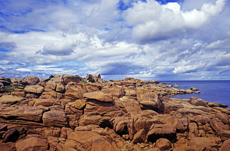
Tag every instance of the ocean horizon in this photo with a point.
(211, 90)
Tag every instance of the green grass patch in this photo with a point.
(11, 87)
(83, 82)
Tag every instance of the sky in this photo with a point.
(144, 39)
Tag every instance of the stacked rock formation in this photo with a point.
(64, 114)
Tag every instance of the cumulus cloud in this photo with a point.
(152, 21)
(59, 49)
(144, 39)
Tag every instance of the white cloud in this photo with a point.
(97, 37)
(215, 44)
(154, 21)
(23, 69)
(61, 48)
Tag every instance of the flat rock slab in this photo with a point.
(44, 102)
(161, 131)
(10, 99)
(201, 142)
(86, 140)
(89, 119)
(22, 113)
(32, 143)
(100, 96)
(34, 89)
(54, 118)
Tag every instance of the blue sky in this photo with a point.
(145, 39)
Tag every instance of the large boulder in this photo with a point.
(44, 102)
(163, 144)
(220, 128)
(55, 118)
(149, 99)
(79, 103)
(218, 125)
(32, 143)
(16, 81)
(116, 91)
(225, 146)
(99, 106)
(139, 137)
(180, 124)
(34, 89)
(10, 135)
(51, 94)
(193, 130)
(89, 119)
(2, 88)
(31, 80)
(10, 99)
(93, 87)
(5, 81)
(55, 83)
(131, 106)
(120, 124)
(201, 143)
(198, 102)
(89, 141)
(161, 131)
(70, 78)
(22, 113)
(75, 91)
(9, 146)
(98, 95)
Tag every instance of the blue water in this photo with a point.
(211, 91)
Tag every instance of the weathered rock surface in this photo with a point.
(86, 140)
(75, 90)
(22, 113)
(149, 99)
(61, 113)
(5, 81)
(197, 102)
(161, 131)
(34, 89)
(163, 144)
(100, 96)
(10, 99)
(225, 146)
(32, 143)
(31, 80)
(54, 118)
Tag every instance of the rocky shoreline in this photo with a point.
(71, 113)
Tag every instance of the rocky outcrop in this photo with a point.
(100, 96)
(61, 113)
(30, 80)
(5, 81)
(22, 113)
(149, 99)
(55, 118)
(34, 89)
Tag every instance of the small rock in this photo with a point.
(79, 104)
(194, 89)
(163, 144)
(10, 135)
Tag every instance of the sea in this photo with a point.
(211, 91)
